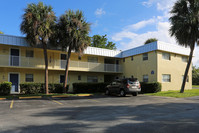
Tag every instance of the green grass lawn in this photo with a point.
(195, 86)
(177, 94)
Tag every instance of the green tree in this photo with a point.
(150, 40)
(37, 23)
(184, 27)
(72, 35)
(101, 42)
(195, 75)
(1, 32)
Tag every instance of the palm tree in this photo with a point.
(36, 25)
(184, 27)
(150, 40)
(73, 33)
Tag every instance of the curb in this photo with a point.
(2, 98)
(32, 97)
(58, 96)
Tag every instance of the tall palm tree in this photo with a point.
(73, 33)
(36, 25)
(184, 27)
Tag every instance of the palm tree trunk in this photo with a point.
(66, 69)
(187, 68)
(46, 67)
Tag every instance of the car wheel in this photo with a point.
(134, 93)
(107, 92)
(122, 93)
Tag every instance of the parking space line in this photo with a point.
(57, 102)
(94, 100)
(11, 104)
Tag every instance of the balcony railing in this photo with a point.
(21, 61)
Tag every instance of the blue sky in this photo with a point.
(128, 23)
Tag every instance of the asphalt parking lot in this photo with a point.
(100, 114)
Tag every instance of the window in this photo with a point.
(145, 78)
(79, 57)
(166, 56)
(29, 77)
(92, 79)
(79, 77)
(62, 78)
(123, 59)
(93, 59)
(166, 78)
(29, 53)
(184, 58)
(145, 56)
(132, 58)
(187, 78)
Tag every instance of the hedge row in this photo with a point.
(5, 88)
(35, 88)
(89, 87)
(100, 87)
(150, 87)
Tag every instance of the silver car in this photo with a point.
(123, 87)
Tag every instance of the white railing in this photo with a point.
(21, 61)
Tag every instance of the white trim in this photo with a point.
(18, 80)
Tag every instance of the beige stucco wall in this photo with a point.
(138, 67)
(176, 68)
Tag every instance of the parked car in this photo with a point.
(123, 87)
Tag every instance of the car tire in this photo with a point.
(134, 93)
(122, 93)
(107, 92)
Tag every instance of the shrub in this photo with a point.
(35, 88)
(150, 87)
(5, 88)
(89, 87)
(31, 88)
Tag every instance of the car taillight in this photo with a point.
(127, 86)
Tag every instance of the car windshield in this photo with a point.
(131, 81)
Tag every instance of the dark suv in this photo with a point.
(124, 86)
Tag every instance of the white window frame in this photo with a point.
(166, 56)
(166, 77)
(29, 74)
(184, 59)
(145, 56)
(187, 78)
(145, 78)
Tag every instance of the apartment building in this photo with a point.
(155, 62)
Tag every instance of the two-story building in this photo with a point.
(155, 62)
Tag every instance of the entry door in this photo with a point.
(14, 57)
(14, 78)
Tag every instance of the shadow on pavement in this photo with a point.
(155, 118)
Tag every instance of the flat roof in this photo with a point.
(167, 47)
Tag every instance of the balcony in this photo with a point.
(38, 63)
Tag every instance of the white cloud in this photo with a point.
(100, 12)
(141, 24)
(162, 5)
